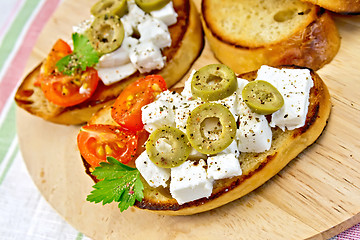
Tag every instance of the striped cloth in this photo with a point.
(24, 214)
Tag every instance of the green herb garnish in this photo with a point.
(120, 183)
(83, 56)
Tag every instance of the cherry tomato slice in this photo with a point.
(96, 142)
(126, 110)
(68, 91)
(58, 51)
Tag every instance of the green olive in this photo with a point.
(214, 82)
(106, 33)
(111, 7)
(151, 5)
(262, 97)
(177, 148)
(210, 128)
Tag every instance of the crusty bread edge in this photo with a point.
(274, 163)
(190, 49)
(245, 59)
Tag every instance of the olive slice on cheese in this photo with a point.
(168, 147)
(106, 33)
(111, 7)
(262, 97)
(211, 128)
(151, 5)
(213, 82)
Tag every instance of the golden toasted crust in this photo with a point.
(257, 167)
(187, 43)
(339, 6)
(312, 41)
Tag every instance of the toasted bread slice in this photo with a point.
(187, 43)
(257, 168)
(338, 6)
(246, 34)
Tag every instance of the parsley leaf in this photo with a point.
(83, 56)
(120, 183)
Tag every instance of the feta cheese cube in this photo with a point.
(156, 115)
(111, 75)
(189, 182)
(146, 57)
(153, 30)
(254, 133)
(223, 166)
(294, 85)
(134, 17)
(166, 14)
(154, 175)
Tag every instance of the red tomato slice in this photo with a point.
(58, 51)
(126, 110)
(96, 142)
(67, 91)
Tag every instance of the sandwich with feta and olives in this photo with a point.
(121, 42)
(190, 150)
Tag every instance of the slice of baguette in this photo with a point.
(338, 6)
(187, 43)
(257, 168)
(246, 34)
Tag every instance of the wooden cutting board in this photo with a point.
(315, 197)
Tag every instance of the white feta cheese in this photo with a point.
(196, 155)
(231, 149)
(118, 57)
(294, 85)
(189, 182)
(186, 92)
(83, 25)
(254, 133)
(182, 113)
(230, 103)
(146, 57)
(156, 115)
(134, 17)
(114, 74)
(166, 14)
(153, 30)
(223, 166)
(171, 97)
(154, 175)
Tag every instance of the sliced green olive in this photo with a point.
(214, 82)
(176, 151)
(106, 33)
(210, 128)
(262, 97)
(111, 7)
(151, 5)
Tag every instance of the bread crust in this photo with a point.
(312, 45)
(285, 147)
(349, 7)
(187, 44)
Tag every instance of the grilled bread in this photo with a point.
(339, 6)
(187, 43)
(257, 168)
(246, 34)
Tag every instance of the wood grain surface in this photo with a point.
(315, 197)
